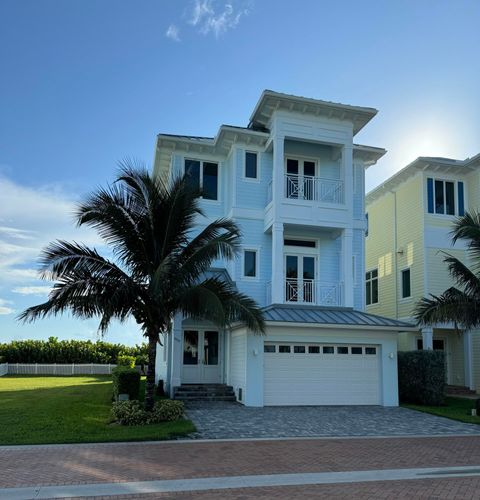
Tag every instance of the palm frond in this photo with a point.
(452, 306)
(221, 303)
(462, 275)
(467, 228)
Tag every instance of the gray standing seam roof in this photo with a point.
(329, 316)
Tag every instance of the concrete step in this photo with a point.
(204, 392)
(205, 398)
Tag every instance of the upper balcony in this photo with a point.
(309, 292)
(310, 188)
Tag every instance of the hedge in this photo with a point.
(69, 351)
(421, 377)
(125, 381)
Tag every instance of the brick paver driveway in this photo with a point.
(119, 465)
(234, 421)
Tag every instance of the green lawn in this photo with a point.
(39, 410)
(455, 408)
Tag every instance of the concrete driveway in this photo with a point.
(220, 420)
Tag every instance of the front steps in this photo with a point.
(204, 392)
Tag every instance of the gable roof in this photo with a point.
(437, 164)
(331, 316)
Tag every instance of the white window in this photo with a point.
(250, 267)
(203, 176)
(251, 165)
(371, 286)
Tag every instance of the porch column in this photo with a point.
(278, 174)
(347, 264)
(467, 356)
(278, 285)
(427, 337)
(176, 353)
(347, 168)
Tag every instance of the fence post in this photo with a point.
(73, 368)
(36, 368)
(109, 369)
(91, 368)
(54, 368)
(17, 369)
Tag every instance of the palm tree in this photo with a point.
(158, 267)
(459, 304)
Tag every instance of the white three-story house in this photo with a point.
(293, 181)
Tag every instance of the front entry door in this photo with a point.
(300, 278)
(201, 357)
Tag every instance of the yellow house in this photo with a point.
(409, 222)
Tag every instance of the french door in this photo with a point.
(300, 179)
(299, 278)
(201, 357)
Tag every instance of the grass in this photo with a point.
(455, 408)
(41, 410)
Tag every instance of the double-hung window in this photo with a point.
(371, 286)
(203, 176)
(445, 197)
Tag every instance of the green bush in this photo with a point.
(132, 412)
(125, 381)
(421, 377)
(128, 413)
(126, 360)
(67, 351)
(168, 410)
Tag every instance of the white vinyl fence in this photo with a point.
(55, 369)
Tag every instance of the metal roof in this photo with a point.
(329, 316)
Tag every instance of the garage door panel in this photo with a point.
(321, 379)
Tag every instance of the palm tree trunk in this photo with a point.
(150, 385)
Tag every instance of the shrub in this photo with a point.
(128, 413)
(125, 381)
(67, 351)
(421, 377)
(168, 410)
(126, 360)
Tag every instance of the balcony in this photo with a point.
(311, 292)
(306, 187)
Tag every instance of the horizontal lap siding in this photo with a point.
(238, 359)
(476, 359)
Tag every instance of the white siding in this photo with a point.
(238, 359)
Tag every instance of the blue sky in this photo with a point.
(85, 83)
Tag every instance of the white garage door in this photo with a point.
(321, 374)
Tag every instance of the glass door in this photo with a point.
(300, 278)
(201, 357)
(300, 179)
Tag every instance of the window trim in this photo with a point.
(256, 250)
(370, 280)
(244, 169)
(219, 183)
(444, 180)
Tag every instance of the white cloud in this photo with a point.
(210, 16)
(173, 33)
(30, 218)
(32, 290)
(4, 309)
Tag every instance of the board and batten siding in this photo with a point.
(238, 362)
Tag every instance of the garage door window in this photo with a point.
(357, 350)
(328, 350)
(284, 348)
(313, 349)
(370, 350)
(299, 349)
(342, 350)
(268, 348)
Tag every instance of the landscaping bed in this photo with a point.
(41, 410)
(454, 408)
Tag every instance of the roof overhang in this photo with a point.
(422, 163)
(271, 101)
(368, 154)
(220, 145)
